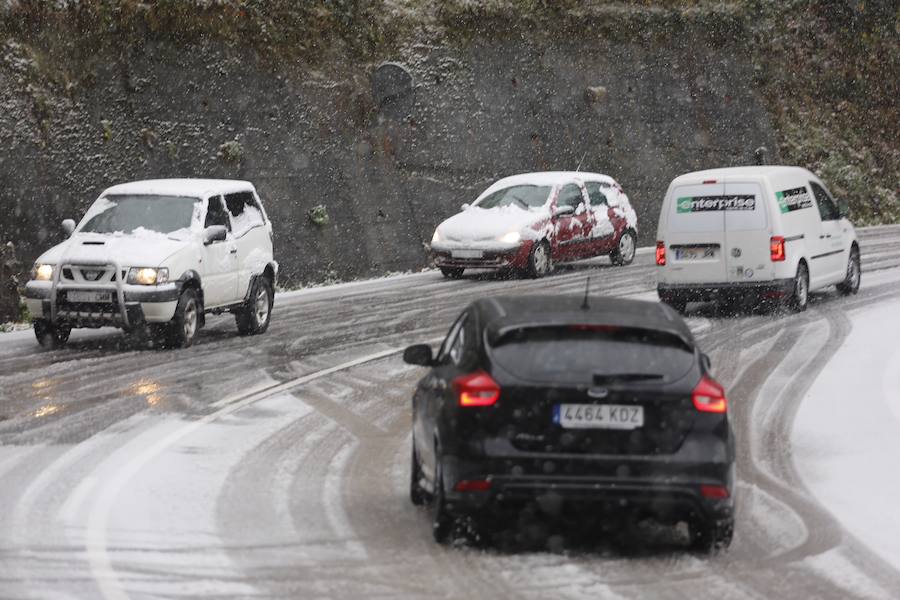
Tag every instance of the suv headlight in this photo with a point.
(147, 275)
(513, 237)
(42, 272)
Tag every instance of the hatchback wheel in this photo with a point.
(850, 285)
(417, 495)
(540, 262)
(441, 520)
(624, 252)
(254, 316)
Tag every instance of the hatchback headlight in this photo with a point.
(513, 237)
(147, 275)
(42, 272)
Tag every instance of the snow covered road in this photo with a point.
(276, 466)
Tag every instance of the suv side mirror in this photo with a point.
(564, 210)
(68, 226)
(419, 354)
(214, 233)
(465, 206)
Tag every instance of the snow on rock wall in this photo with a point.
(387, 159)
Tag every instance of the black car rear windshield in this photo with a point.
(523, 196)
(592, 354)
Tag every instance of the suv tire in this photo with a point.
(254, 316)
(182, 330)
(51, 336)
(452, 272)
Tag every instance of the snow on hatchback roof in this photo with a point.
(198, 188)
(548, 178)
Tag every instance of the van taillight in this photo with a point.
(661, 254)
(709, 396)
(476, 389)
(776, 247)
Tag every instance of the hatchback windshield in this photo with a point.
(523, 196)
(126, 213)
(592, 354)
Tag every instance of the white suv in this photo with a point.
(158, 254)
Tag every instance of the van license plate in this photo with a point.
(695, 253)
(76, 296)
(467, 254)
(598, 416)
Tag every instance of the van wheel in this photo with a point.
(850, 285)
(624, 252)
(540, 262)
(182, 329)
(799, 300)
(253, 318)
(51, 336)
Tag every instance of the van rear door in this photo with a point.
(695, 234)
(748, 254)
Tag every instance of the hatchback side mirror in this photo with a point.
(68, 226)
(419, 354)
(707, 363)
(564, 210)
(214, 233)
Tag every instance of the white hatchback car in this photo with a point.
(158, 254)
(769, 233)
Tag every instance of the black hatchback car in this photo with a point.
(594, 406)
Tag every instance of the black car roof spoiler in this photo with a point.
(500, 327)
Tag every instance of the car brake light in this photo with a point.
(661, 254)
(473, 485)
(776, 247)
(476, 389)
(709, 396)
(714, 492)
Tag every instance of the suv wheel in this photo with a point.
(708, 536)
(624, 252)
(182, 330)
(51, 336)
(254, 316)
(850, 285)
(452, 272)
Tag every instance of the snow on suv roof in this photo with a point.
(728, 172)
(198, 188)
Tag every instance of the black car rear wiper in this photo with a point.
(601, 378)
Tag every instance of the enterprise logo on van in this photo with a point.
(689, 204)
(793, 199)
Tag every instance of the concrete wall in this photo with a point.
(386, 170)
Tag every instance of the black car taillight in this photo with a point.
(476, 389)
(709, 396)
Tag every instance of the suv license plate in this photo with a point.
(467, 254)
(598, 416)
(76, 296)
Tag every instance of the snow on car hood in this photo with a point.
(478, 224)
(142, 248)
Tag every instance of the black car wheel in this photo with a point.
(850, 285)
(709, 536)
(625, 249)
(417, 494)
(51, 336)
(254, 316)
(441, 519)
(452, 272)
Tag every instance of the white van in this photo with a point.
(769, 233)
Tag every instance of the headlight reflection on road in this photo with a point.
(47, 410)
(149, 389)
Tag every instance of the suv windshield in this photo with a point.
(587, 353)
(125, 214)
(523, 196)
